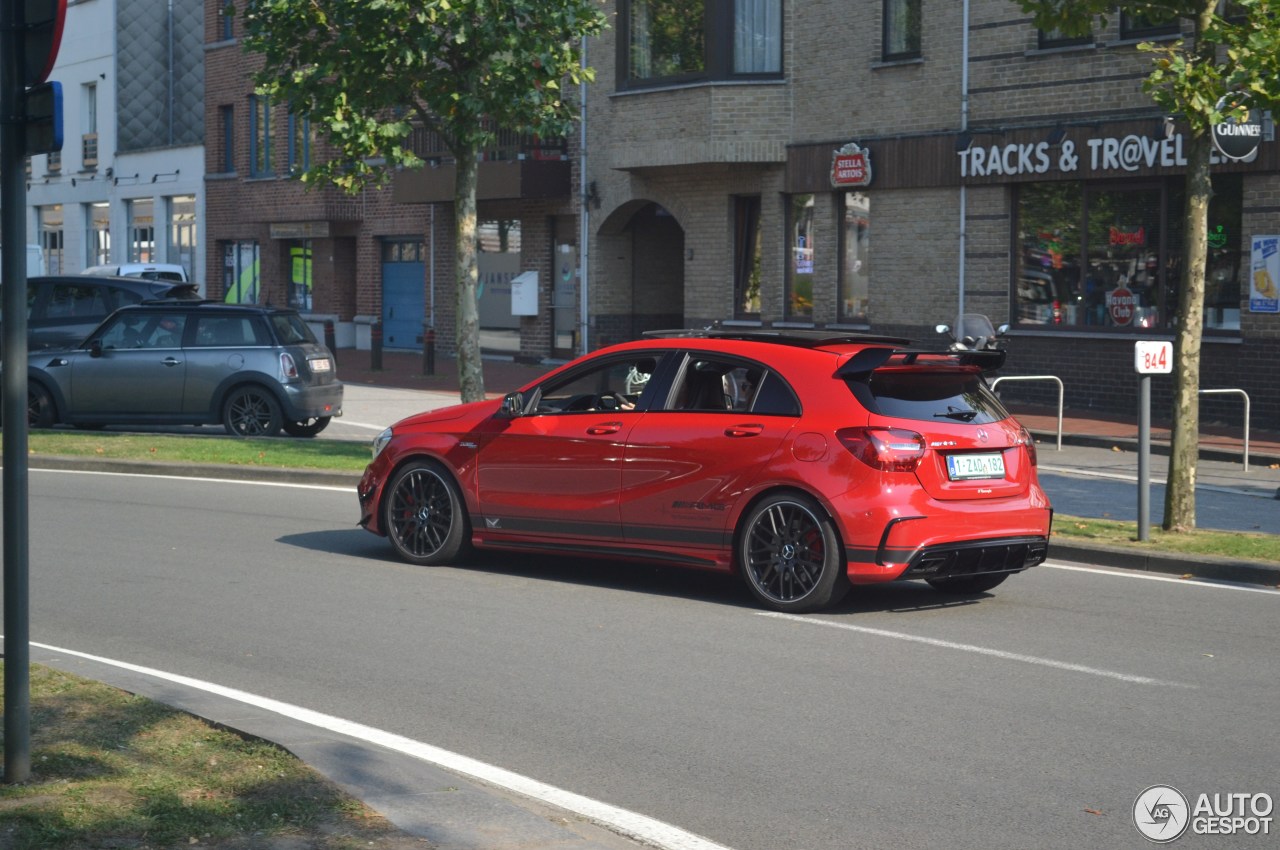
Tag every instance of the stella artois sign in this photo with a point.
(850, 166)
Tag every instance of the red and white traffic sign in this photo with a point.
(1153, 357)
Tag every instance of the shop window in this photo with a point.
(746, 257)
(300, 266)
(1099, 256)
(901, 30)
(142, 230)
(98, 241)
(182, 232)
(666, 41)
(51, 237)
(799, 295)
(854, 258)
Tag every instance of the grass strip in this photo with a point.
(276, 453)
(111, 769)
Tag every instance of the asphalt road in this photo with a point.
(1032, 717)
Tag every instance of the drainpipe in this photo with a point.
(964, 126)
(584, 206)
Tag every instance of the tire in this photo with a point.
(967, 584)
(251, 412)
(790, 555)
(424, 516)
(307, 427)
(41, 411)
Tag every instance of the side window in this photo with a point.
(145, 331)
(76, 301)
(715, 384)
(613, 386)
(214, 331)
(120, 297)
(776, 398)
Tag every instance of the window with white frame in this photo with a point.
(142, 230)
(97, 217)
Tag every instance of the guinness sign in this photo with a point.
(1237, 139)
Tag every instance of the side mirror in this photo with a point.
(942, 329)
(1002, 330)
(512, 406)
(95, 348)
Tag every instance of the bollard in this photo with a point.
(331, 339)
(375, 346)
(429, 352)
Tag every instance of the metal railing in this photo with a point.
(1053, 378)
(1245, 396)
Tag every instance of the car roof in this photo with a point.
(864, 352)
(205, 306)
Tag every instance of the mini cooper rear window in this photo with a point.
(934, 397)
(290, 329)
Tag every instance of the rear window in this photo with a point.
(290, 329)
(934, 396)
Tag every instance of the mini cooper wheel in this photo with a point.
(424, 516)
(307, 427)
(251, 412)
(41, 412)
(967, 584)
(790, 555)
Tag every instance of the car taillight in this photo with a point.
(288, 369)
(1025, 438)
(1057, 312)
(887, 449)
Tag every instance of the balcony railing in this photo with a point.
(509, 146)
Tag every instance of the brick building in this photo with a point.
(384, 256)
(887, 166)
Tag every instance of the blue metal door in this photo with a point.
(403, 304)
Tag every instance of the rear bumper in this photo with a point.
(305, 402)
(941, 540)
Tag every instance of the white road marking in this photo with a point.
(1189, 582)
(979, 650)
(368, 425)
(631, 824)
(326, 487)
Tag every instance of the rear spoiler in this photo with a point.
(866, 361)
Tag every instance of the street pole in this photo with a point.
(1144, 457)
(13, 381)
(1150, 357)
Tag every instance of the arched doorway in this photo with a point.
(639, 280)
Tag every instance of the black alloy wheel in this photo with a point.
(790, 555)
(252, 412)
(423, 515)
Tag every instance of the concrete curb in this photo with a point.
(1197, 566)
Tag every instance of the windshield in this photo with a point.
(935, 396)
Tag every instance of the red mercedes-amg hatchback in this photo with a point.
(805, 461)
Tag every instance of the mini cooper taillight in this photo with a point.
(288, 369)
(886, 449)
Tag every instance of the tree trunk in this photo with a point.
(1184, 453)
(470, 366)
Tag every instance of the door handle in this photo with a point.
(744, 430)
(171, 361)
(605, 428)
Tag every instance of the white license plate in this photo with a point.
(966, 467)
(320, 364)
